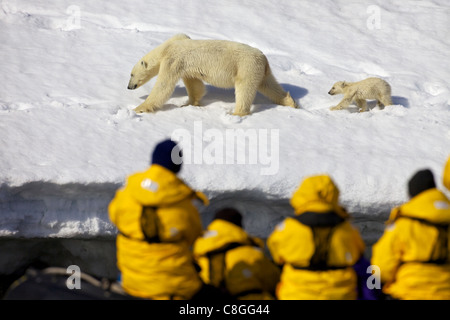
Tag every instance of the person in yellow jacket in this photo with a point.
(157, 224)
(317, 247)
(234, 261)
(413, 252)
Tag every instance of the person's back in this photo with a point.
(157, 224)
(317, 247)
(232, 260)
(413, 252)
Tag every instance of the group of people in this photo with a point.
(163, 251)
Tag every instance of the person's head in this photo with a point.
(421, 181)
(317, 193)
(230, 215)
(168, 155)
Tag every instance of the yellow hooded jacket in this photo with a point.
(163, 269)
(413, 252)
(231, 259)
(310, 272)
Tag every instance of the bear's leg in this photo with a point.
(343, 104)
(195, 90)
(380, 105)
(245, 92)
(362, 105)
(270, 88)
(385, 101)
(161, 92)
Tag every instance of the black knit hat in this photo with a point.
(230, 215)
(422, 180)
(168, 154)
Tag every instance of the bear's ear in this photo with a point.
(344, 84)
(144, 64)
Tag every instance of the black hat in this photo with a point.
(230, 215)
(422, 180)
(168, 154)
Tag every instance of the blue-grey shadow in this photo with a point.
(214, 94)
(401, 101)
(296, 92)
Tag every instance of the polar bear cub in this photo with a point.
(220, 63)
(358, 92)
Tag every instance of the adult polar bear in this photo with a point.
(220, 63)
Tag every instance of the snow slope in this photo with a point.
(69, 137)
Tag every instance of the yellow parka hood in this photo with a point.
(221, 233)
(446, 177)
(317, 194)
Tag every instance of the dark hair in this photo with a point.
(230, 215)
(168, 155)
(422, 180)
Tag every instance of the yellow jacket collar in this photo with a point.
(431, 205)
(160, 186)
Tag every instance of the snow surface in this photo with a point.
(69, 136)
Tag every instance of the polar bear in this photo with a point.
(220, 63)
(358, 92)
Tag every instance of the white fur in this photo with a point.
(221, 63)
(358, 92)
